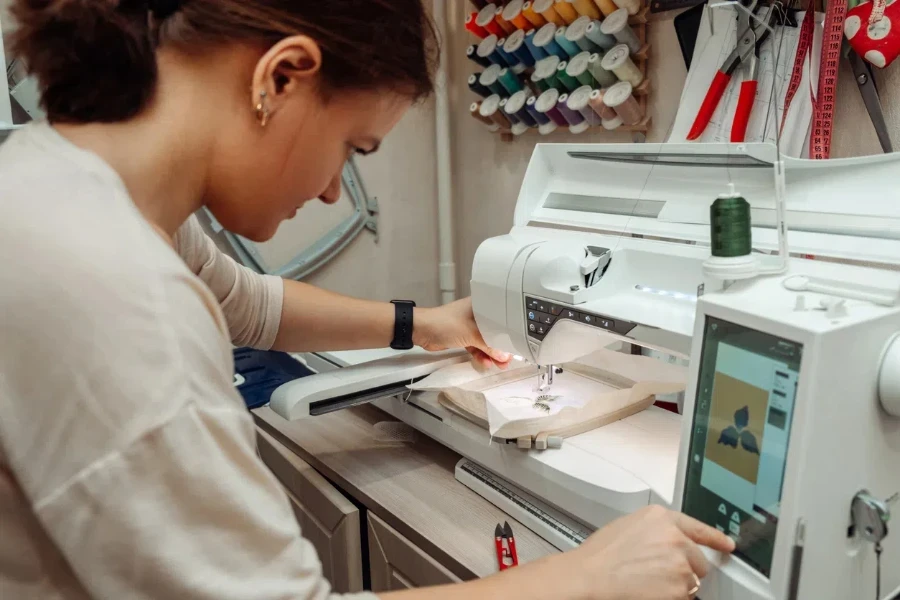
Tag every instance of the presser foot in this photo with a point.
(545, 377)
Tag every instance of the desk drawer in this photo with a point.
(327, 518)
(398, 564)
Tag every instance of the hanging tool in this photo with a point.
(750, 37)
(862, 72)
(505, 544)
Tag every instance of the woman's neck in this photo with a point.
(162, 154)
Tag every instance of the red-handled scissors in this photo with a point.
(506, 555)
(746, 52)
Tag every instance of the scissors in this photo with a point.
(746, 53)
(862, 73)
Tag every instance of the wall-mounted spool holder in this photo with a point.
(638, 23)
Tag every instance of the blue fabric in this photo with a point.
(264, 371)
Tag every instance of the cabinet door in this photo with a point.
(398, 564)
(327, 518)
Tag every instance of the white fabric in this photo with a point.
(128, 466)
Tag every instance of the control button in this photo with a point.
(531, 303)
(723, 509)
(532, 327)
(569, 314)
(555, 309)
(589, 319)
(542, 306)
(735, 528)
(547, 319)
(607, 324)
(542, 329)
(532, 316)
(735, 517)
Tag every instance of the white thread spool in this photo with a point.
(511, 106)
(604, 112)
(632, 6)
(619, 98)
(616, 25)
(576, 33)
(618, 61)
(579, 102)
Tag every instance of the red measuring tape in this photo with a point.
(823, 105)
(803, 47)
(823, 119)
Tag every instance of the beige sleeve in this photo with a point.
(186, 511)
(250, 301)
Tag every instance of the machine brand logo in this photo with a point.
(738, 432)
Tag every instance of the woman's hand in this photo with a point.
(453, 326)
(653, 554)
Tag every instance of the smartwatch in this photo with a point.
(403, 324)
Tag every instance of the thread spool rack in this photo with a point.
(638, 23)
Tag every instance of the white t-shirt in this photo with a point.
(128, 465)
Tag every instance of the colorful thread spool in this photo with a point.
(543, 39)
(476, 87)
(607, 7)
(485, 20)
(571, 48)
(515, 106)
(586, 8)
(577, 122)
(475, 111)
(569, 83)
(580, 101)
(546, 70)
(516, 126)
(602, 110)
(509, 81)
(632, 6)
(565, 9)
(577, 34)
(603, 40)
(487, 49)
(618, 61)
(472, 54)
(515, 45)
(538, 83)
(513, 14)
(504, 24)
(546, 104)
(491, 80)
(535, 17)
(578, 68)
(537, 53)
(474, 28)
(490, 109)
(546, 10)
(604, 78)
(539, 117)
(620, 99)
(616, 25)
(515, 65)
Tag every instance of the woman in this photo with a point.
(127, 460)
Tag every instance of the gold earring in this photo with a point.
(262, 111)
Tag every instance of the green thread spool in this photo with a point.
(729, 218)
(509, 81)
(571, 84)
(539, 82)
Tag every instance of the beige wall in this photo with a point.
(488, 171)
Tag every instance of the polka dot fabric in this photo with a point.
(879, 41)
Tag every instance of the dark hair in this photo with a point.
(95, 60)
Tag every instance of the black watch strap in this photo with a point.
(403, 324)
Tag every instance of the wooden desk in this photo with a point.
(411, 487)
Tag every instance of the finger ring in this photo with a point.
(696, 587)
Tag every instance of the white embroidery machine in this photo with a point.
(812, 355)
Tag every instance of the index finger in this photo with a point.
(703, 534)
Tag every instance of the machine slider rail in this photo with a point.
(486, 478)
(323, 407)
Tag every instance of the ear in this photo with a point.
(287, 68)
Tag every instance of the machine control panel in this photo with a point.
(540, 315)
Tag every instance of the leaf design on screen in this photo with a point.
(742, 417)
(748, 442)
(729, 437)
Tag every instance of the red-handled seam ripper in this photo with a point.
(506, 547)
(746, 52)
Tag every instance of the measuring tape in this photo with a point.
(823, 104)
(823, 119)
